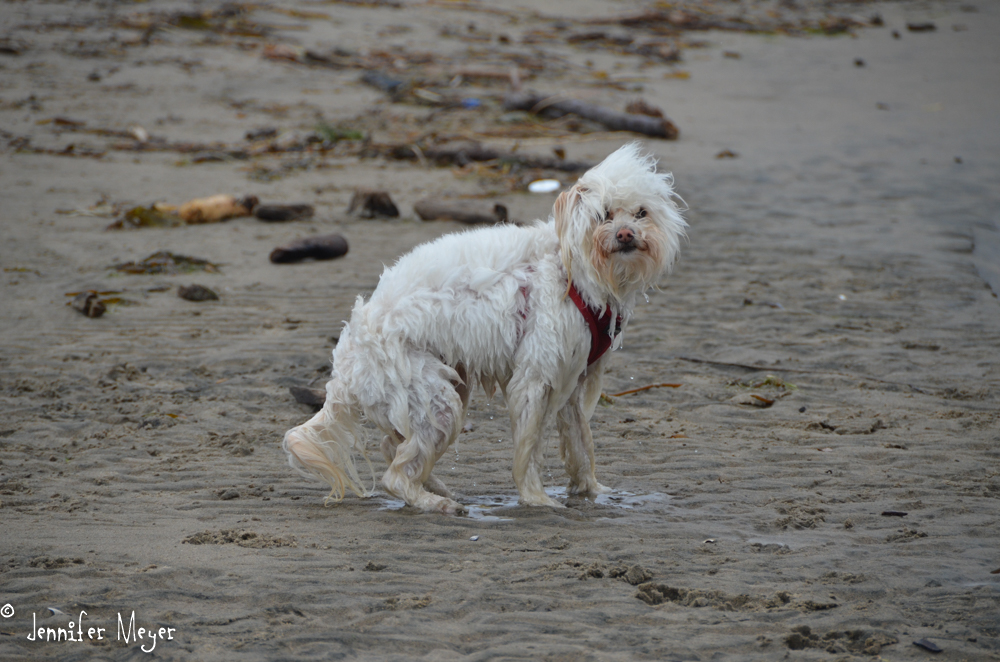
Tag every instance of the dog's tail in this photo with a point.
(325, 445)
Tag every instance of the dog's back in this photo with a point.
(463, 297)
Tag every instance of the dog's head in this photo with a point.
(619, 226)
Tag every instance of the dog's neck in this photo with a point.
(599, 297)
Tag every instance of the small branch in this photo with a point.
(799, 371)
(658, 127)
(644, 388)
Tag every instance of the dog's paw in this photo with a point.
(588, 491)
(541, 500)
(445, 506)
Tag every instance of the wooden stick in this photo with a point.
(658, 127)
(644, 388)
(764, 368)
(430, 210)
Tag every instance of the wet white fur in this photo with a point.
(489, 306)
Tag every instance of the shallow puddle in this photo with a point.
(481, 507)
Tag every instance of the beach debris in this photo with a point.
(462, 153)
(369, 203)
(89, 303)
(195, 292)
(430, 209)
(334, 134)
(312, 397)
(216, 208)
(921, 27)
(729, 154)
(512, 76)
(283, 52)
(278, 213)
(459, 153)
(165, 262)
(474, 538)
(158, 215)
(995, 572)
(319, 247)
(556, 106)
(708, 541)
(906, 534)
(732, 55)
(893, 513)
(391, 86)
(928, 645)
(642, 107)
(544, 186)
(752, 400)
(12, 46)
(645, 388)
(263, 133)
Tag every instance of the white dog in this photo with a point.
(531, 309)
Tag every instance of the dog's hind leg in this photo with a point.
(433, 428)
(410, 471)
(576, 444)
(433, 484)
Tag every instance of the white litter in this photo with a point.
(544, 186)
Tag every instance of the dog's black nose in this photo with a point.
(625, 236)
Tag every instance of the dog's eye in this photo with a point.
(607, 216)
(641, 213)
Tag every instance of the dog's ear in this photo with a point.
(560, 211)
(563, 211)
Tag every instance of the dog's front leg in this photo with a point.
(528, 405)
(576, 444)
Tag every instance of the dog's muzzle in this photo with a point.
(625, 240)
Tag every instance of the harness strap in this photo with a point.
(600, 340)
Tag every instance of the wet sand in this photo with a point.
(837, 268)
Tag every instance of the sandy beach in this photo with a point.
(821, 481)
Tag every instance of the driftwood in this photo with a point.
(313, 397)
(368, 203)
(463, 211)
(321, 247)
(659, 127)
(278, 213)
(463, 153)
(216, 208)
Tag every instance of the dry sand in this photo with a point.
(842, 256)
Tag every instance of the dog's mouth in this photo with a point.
(626, 248)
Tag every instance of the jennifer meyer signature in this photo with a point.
(76, 631)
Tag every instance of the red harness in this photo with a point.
(600, 341)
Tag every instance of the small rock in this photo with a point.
(89, 303)
(196, 292)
